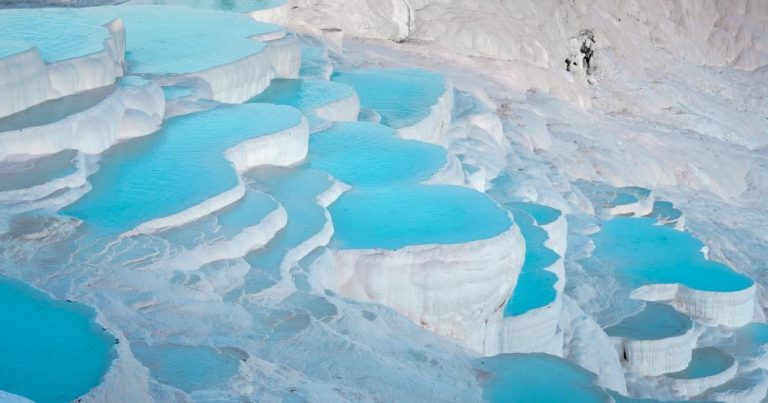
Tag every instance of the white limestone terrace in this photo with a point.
(656, 262)
(234, 64)
(273, 11)
(220, 143)
(89, 121)
(416, 102)
(656, 341)
(321, 101)
(50, 53)
(420, 263)
(32, 179)
(532, 314)
(245, 225)
(709, 367)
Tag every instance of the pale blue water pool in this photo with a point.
(646, 253)
(238, 6)
(58, 33)
(403, 97)
(535, 285)
(178, 40)
(188, 368)
(50, 351)
(525, 378)
(665, 211)
(750, 339)
(367, 154)
(305, 94)
(295, 189)
(542, 214)
(623, 198)
(34, 172)
(705, 361)
(176, 168)
(392, 217)
(11, 47)
(314, 61)
(657, 321)
(55, 110)
(172, 92)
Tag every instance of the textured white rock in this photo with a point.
(283, 148)
(23, 81)
(275, 15)
(248, 239)
(732, 309)
(343, 110)
(586, 344)
(689, 388)
(457, 291)
(134, 109)
(431, 128)
(535, 331)
(26, 80)
(656, 357)
(746, 388)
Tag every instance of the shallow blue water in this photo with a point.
(58, 33)
(750, 339)
(238, 6)
(665, 211)
(38, 171)
(392, 217)
(525, 378)
(55, 110)
(646, 253)
(367, 154)
(706, 361)
(12, 47)
(177, 40)
(535, 285)
(187, 368)
(314, 61)
(403, 97)
(656, 321)
(175, 92)
(623, 198)
(295, 189)
(176, 168)
(50, 351)
(542, 214)
(305, 94)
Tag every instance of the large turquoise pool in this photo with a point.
(178, 40)
(50, 351)
(392, 217)
(644, 252)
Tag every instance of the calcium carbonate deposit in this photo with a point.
(383, 200)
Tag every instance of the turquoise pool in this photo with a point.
(535, 285)
(367, 154)
(392, 217)
(527, 378)
(178, 40)
(644, 252)
(655, 322)
(52, 351)
(705, 361)
(176, 168)
(403, 97)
